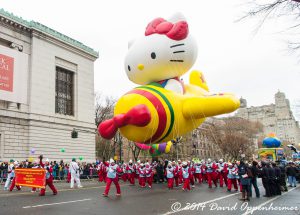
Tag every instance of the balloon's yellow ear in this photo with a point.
(197, 78)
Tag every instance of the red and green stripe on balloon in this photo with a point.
(165, 123)
(164, 111)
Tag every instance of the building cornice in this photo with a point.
(29, 26)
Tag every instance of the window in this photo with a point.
(64, 94)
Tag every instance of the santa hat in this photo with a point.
(138, 161)
(208, 160)
(229, 164)
(16, 163)
(221, 160)
(184, 163)
(111, 161)
(47, 160)
(130, 161)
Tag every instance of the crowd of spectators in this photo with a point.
(60, 169)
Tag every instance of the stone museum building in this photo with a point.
(46, 92)
(277, 118)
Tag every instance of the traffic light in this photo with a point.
(74, 134)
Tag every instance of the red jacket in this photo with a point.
(48, 169)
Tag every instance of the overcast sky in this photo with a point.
(232, 57)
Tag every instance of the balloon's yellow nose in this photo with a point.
(140, 67)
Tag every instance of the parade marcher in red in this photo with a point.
(112, 176)
(198, 172)
(68, 175)
(124, 174)
(142, 175)
(211, 173)
(13, 176)
(186, 176)
(170, 175)
(222, 172)
(191, 173)
(49, 176)
(232, 177)
(203, 171)
(100, 171)
(104, 171)
(177, 170)
(149, 175)
(137, 174)
(180, 177)
(130, 172)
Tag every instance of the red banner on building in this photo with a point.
(6, 73)
(30, 177)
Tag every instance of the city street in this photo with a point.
(135, 200)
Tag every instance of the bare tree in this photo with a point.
(234, 136)
(135, 150)
(266, 9)
(104, 107)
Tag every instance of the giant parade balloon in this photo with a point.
(271, 141)
(163, 107)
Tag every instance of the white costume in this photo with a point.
(74, 170)
(9, 175)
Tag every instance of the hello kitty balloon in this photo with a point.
(166, 52)
(163, 107)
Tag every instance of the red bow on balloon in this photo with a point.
(138, 116)
(177, 31)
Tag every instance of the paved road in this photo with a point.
(135, 200)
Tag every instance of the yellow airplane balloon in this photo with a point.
(163, 108)
(153, 114)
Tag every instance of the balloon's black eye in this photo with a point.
(128, 68)
(153, 55)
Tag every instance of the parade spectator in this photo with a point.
(9, 171)
(265, 179)
(2, 167)
(283, 177)
(291, 172)
(160, 172)
(277, 179)
(245, 175)
(255, 172)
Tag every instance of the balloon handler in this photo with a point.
(112, 177)
(49, 176)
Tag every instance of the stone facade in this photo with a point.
(36, 123)
(277, 118)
